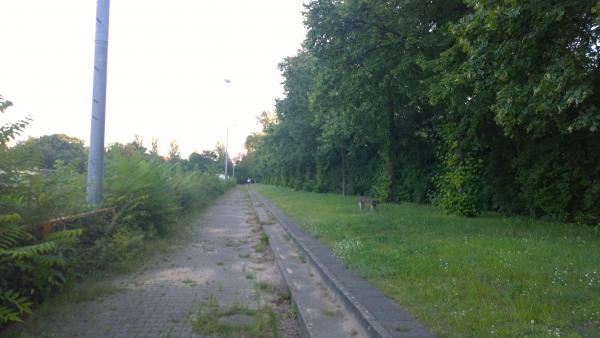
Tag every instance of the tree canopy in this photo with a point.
(472, 105)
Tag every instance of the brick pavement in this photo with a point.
(213, 257)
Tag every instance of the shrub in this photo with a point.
(148, 193)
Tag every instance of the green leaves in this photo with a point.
(29, 251)
(384, 93)
(536, 60)
(13, 306)
(11, 130)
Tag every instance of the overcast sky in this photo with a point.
(166, 67)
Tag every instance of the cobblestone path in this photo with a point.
(216, 257)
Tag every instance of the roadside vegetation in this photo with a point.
(44, 178)
(470, 105)
(477, 124)
(463, 277)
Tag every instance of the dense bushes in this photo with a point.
(473, 105)
(148, 192)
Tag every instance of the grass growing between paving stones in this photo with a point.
(476, 277)
(234, 321)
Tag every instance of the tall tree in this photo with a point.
(44, 151)
(174, 154)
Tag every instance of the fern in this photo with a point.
(28, 268)
(50, 260)
(10, 236)
(31, 267)
(64, 235)
(30, 251)
(13, 306)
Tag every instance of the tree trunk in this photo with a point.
(343, 172)
(392, 147)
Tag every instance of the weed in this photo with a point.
(401, 328)
(264, 287)
(209, 320)
(264, 238)
(189, 282)
(260, 247)
(330, 312)
(292, 312)
(286, 296)
(301, 257)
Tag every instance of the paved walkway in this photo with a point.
(216, 257)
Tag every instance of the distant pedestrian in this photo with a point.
(248, 180)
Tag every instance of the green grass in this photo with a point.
(207, 321)
(463, 277)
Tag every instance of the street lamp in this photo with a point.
(227, 82)
(227, 153)
(226, 148)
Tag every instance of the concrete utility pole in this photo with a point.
(227, 82)
(226, 155)
(95, 176)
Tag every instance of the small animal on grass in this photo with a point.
(367, 202)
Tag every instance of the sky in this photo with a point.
(167, 65)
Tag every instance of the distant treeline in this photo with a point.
(471, 105)
(49, 151)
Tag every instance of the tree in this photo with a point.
(252, 142)
(154, 147)
(206, 161)
(472, 105)
(369, 88)
(519, 89)
(138, 143)
(174, 154)
(45, 151)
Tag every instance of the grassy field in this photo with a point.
(463, 277)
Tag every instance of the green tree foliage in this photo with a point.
(174, 154)
(207, 161)
(154, 147)
(45, 151)
(368, 94)
(8, 131)
(472, 105)
(519, 88)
